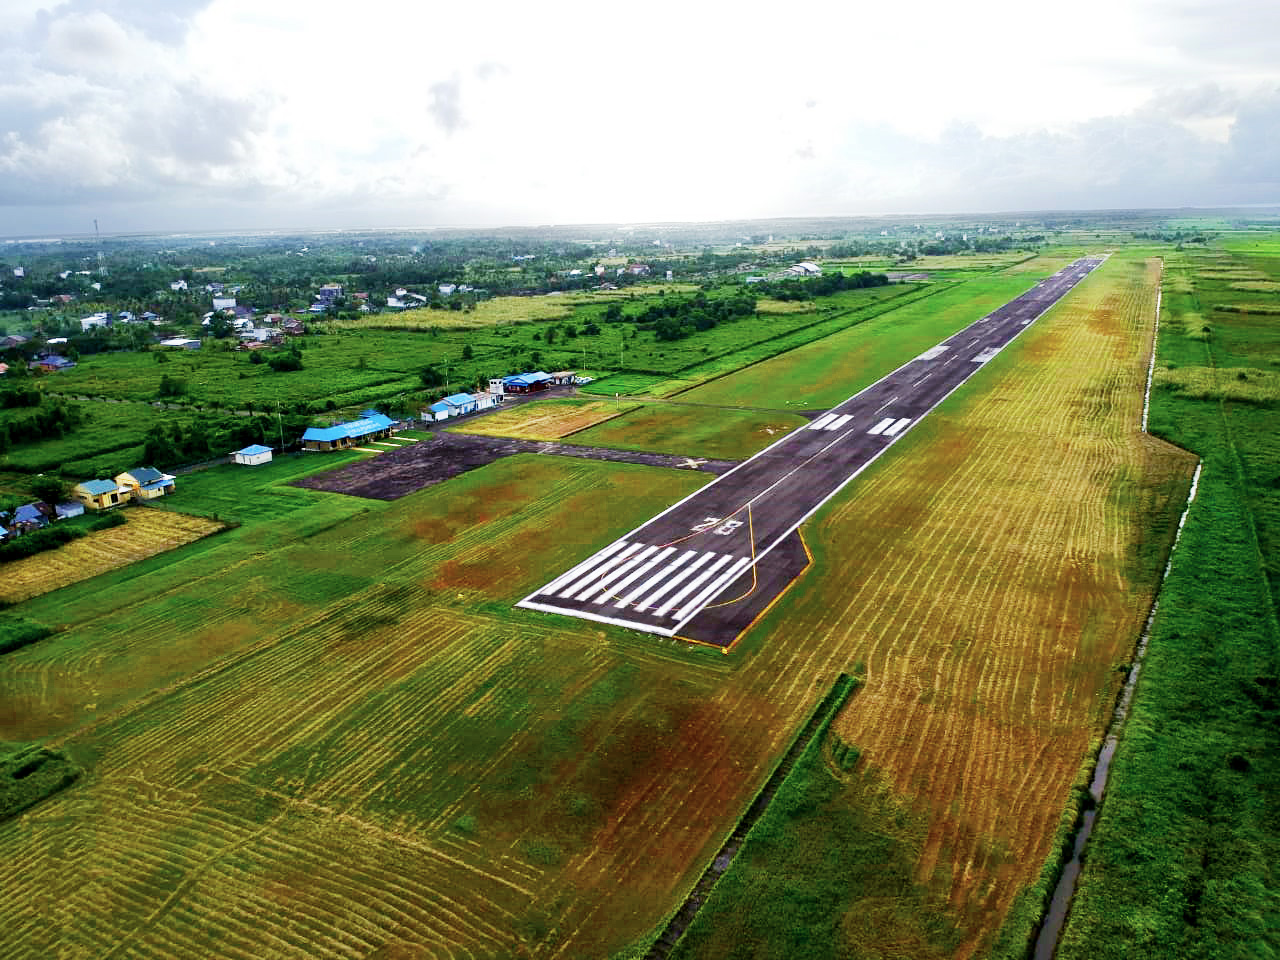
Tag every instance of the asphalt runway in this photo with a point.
(706, 567)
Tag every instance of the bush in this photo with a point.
(18, 631)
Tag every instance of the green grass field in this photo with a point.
(1182, 860)
(691, 431)
(821, 374)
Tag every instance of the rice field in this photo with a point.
(327, 733)
(544, 419)
(147, 533)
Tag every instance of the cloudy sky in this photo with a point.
(226, 114)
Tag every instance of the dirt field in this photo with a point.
(147, 533)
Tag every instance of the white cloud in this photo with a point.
(520, 112)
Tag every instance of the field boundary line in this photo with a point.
(1155, 343)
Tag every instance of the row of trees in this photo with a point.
(806, 288)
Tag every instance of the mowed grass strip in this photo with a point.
(146, 533)
(825, 372)
(991, 572)
(543, 419)
(695, 431)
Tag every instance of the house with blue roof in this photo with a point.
(340, 436)
(527, 382)
(100, 494)
(30, 517)
(454, 405)
(252, 455)
(146, 483)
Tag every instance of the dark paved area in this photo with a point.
(697, 555)
(392, 475)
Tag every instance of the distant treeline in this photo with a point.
(806, 288)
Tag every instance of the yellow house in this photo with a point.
(146, 483)
(100, 494)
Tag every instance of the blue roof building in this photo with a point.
(527, 382)
(341, 435)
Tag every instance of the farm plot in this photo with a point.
(147, 533)
(990, 576)
(544, 419)
(685, 429)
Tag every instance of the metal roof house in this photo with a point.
(527, 382)
(100, 494)
(146, 483)
(252, 455)
(454, 405)
(371, 426)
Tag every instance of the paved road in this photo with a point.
(716, 543)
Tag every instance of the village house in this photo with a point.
(100, 494)
(146, 483)
(252, 455)
(526, 382)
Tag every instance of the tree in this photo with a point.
(430, 377)
(467, 352)
(51, 489)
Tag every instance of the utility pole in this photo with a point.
(280, 425)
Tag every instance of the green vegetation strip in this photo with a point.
(806, 746)
(29, 775)
(17, 632)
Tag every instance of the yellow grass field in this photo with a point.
(500, 310)
(545, 419)
(147, 533)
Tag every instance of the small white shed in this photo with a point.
(253, 455)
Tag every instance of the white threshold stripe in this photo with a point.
(671, 584)
(822, 421)
(636, 574)
(720, 582)
(598, 557)
(897, 428)
(839, 421)
(598, 571)
(617, 572)
(658, 577)
(597, 617)
(692, 585)
(881, 427)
